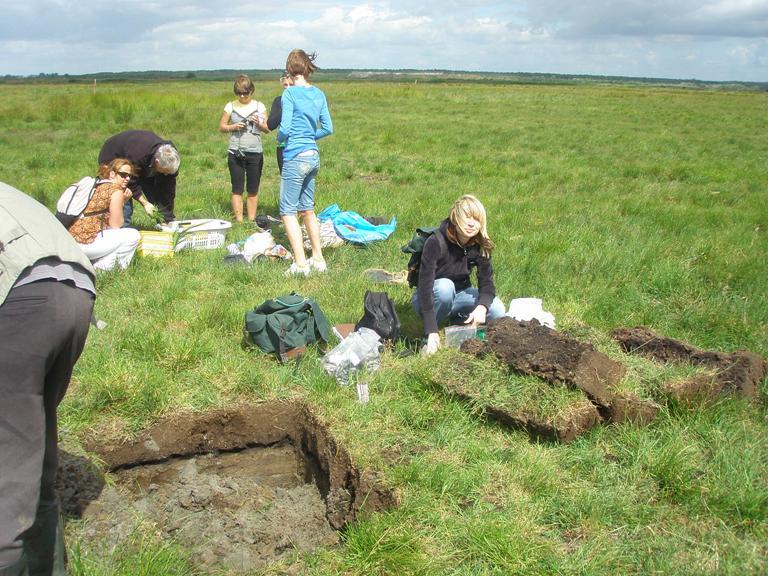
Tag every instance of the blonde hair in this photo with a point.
(470, 207)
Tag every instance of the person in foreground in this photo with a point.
(99, 231)
(46, 301)
(157, 162)
(444, 290)
(305, 119)
(242, 119)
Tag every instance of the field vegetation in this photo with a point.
(617, 205)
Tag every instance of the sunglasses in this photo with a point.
(125, 175)
(241, 94)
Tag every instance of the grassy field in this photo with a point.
(618, 206)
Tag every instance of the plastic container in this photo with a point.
(455, 335)
(196, 225)
(155, 243)
(200, 241)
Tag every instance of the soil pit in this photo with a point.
(240, 488)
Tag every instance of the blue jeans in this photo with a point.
(297, 183)
(127, 213)
(456, 306)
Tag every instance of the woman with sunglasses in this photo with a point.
(98, 231)
(243, 120)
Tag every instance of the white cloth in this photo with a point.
(528, 309)
(112, 247)
(258, 243)
(328, 236)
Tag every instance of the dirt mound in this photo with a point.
(530, 348)
(563, 424)
(527, 347)
(239, 486)
(739, 371)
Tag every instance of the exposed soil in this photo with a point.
(527, 347)
(530, 348)
(735, 372)
(239, 487)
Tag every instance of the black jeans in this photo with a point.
(43, 327)
(245, 166)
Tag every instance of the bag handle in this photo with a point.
(288, 304)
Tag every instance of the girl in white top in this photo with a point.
(244, 120)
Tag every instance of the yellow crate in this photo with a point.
(155, 243)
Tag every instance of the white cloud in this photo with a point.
(611, 37)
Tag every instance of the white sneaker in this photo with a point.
(296, 270)
(318, 265)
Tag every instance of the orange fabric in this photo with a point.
(85, 229)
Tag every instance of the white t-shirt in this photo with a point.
(249, 139)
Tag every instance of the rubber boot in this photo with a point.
(44, 544)
(17, 569)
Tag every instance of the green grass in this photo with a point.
(489, 383)
(616, 205)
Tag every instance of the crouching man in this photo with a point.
(158, 163)
(46, 300)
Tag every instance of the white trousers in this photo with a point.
(112, 247)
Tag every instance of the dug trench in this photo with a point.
(239, 487)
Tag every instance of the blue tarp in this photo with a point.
(354, 228)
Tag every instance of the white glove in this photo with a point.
(150, 209)
(477, 316)
(433, 343)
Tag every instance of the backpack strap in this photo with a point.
(440, 240)
(321, 322)
(96, 182)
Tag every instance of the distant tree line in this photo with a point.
(394, 75)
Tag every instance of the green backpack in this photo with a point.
(284, 324)
(414, 247)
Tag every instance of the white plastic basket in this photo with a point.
(196, 225)
(200, 241)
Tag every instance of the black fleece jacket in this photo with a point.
(455, 263)
(139, 147)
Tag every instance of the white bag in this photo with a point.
(528, 309)
(358, 351)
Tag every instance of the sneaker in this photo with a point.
(318, 265)
(296, 270)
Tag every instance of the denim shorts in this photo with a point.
(297, 183)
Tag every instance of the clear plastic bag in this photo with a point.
(358, 351)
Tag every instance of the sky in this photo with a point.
(719, 40)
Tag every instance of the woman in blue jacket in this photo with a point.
(305, 120)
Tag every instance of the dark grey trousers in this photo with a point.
(43, 328)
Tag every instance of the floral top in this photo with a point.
(85, 229)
